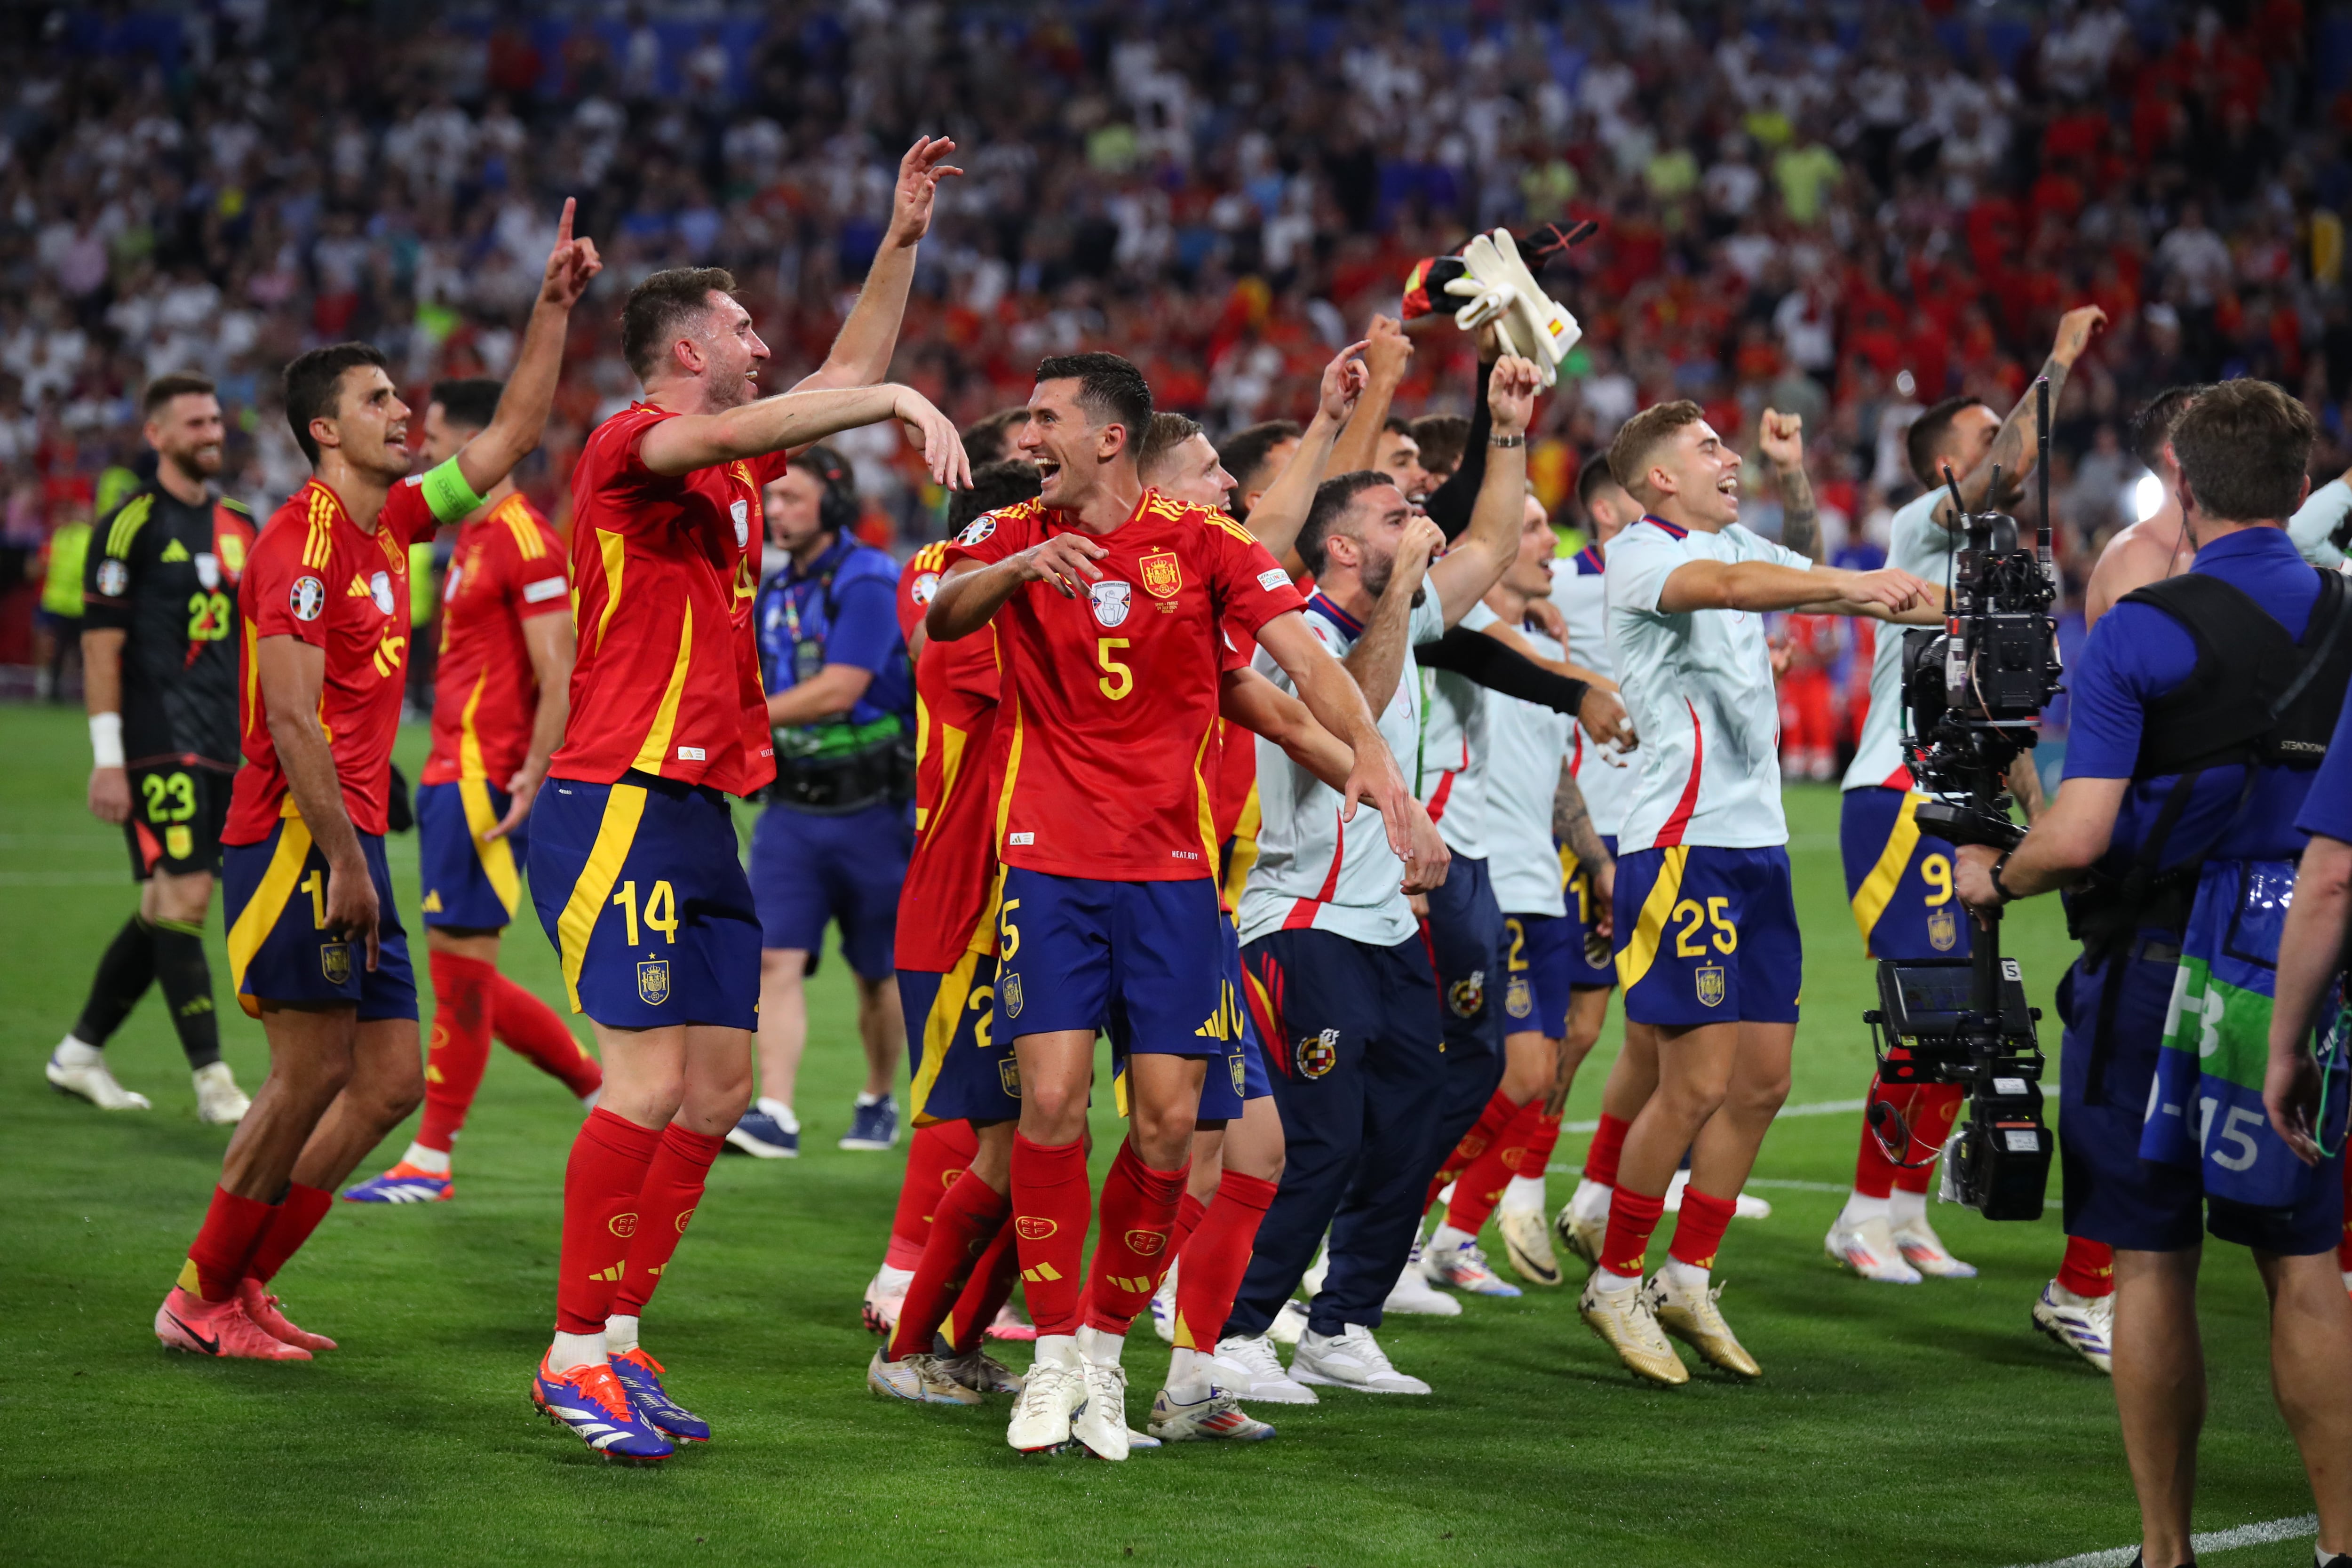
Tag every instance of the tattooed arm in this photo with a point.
(2013, 451)
(1782, 437)
(1571, 824)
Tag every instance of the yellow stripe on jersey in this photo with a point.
(1012, 772)
(320, 543)
(656, 750)
(1219, 519)
(1245, 831)
(1204, 799)
(469, 740)
(951, 743)
(127, 524)
(1635, 959)
(1878, 890)
(261, 912)
(251, 701)
(515, 512)
(497, 855)
(614, 549)
(624, 807)
(939, 1031)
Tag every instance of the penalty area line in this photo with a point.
(2302, 1526)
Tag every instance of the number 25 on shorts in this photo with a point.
(1689, 942)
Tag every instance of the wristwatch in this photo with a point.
(2002, 893)
(1506, 440)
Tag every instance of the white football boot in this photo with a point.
(1413, 1294)
(1526, 1242)
(1100, 1424)
(1869, 1249)
(1163, 1304)
(1925, 1250)
(2084, 1324)
(918, 1380)
(219, 1102)
(1051, 1393)
(80, 1069)
(1216, 1415)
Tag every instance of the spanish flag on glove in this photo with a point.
(1528, 321)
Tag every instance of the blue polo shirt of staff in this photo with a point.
(831, 845)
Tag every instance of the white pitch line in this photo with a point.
(2301, 1527)
(1816, 1108)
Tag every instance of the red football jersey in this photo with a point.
(663, 572)
(315, 576)
(1111, 696)
(943, 903)
(507, 568)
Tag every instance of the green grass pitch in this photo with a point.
(1915, 1425)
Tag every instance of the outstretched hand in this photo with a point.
(919, 174)
(571, 266)
(1511, 395)
(944, 453)
(1344, 380)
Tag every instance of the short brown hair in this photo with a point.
(1245, 452)
(314, 388)
(179, 383)
(1332, 499)
(1924, 442)
(1629, 454)
(1443, 439)
(1590, 477)
(2151, 427)
(2244, 449)
(661, 305)
(990, 439)
(1164, 436)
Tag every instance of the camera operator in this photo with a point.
(2172, 776)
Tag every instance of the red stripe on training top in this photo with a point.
(1302, 913)
(1437, 801)
(1671, 832)
(1899, 779)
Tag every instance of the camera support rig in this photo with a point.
(1971, 694)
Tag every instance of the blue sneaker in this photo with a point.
(403, 1184)
(763, 1135)
(873, 1127)
(640, 1379)
(589, 1402)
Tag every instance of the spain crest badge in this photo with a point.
(1163, 575)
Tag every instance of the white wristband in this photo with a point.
(106, 740)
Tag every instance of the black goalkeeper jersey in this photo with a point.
(165, 573)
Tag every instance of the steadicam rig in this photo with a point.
(1972, 693)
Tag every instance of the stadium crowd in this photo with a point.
(1846, 215)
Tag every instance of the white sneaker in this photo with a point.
(1412, 1294)
(1868, 1248)
(219, 1102)
(1526, 1242)
(1050, 1394)
(1310, 1284)
(979, 1370)
(1466, 1269)
(886, 1298)
(918, 1380)
(89, 1078)
(1925, 1250)
(1216, 1415)
(2084, 1324)
(1288, 1324)
(1350, 1358)
(1100, 1424)
(1247, 1364)
(1163, 1304)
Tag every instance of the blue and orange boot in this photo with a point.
(640, 1377)
(403, 1184)
(589, 1402)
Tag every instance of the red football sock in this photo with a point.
(936, 1158)
(1608, 1143)
(530, 1028)
(666, 1201)
(1633, 1216)
(1051, 1204)
(989, 1287)
(1501, 1109)
(1139, 1210)
(1933, 1109)
(1698, 1229)
(232, 1227)
(2089, 1268)
(1220, 1255)
(295, 1218)
(1873, 1173)
(1189, 1210)
(970, 1214)
(1514, 1151)
(460, 1048)
(607, 1168)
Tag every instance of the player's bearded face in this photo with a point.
(188, 431)
(731, 354)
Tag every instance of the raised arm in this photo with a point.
(1782, 437)
(863, 349)
(1487, 548)
(692, 441)
(1387, 354)
(2014, 448)
(1281, 511)
(292, 674)
(1452, 504)
(515, 428)
(1378, 658)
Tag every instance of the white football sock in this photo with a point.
(1591, 1199)
(73, 1051)
(576, 1349)
(435, 1162)
(1688, 1275)
(588, 1100)
(1526, 1193)
(782, 1112)
(1188, 1375)
(1447, 1238)
(1609, 1281)
(1904, 1207)
(620, 1334)
(1100, 1348)
(889, 1279)
(865, 1100)
(1058, 1350)
(1860, 1210)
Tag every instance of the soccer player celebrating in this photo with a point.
(314, 945)
(1112, 603)
(635, 871)
(159, 592)
(1711, 955)
(1898, 878)
(501, 686)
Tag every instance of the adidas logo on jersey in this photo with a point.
(176, 550)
